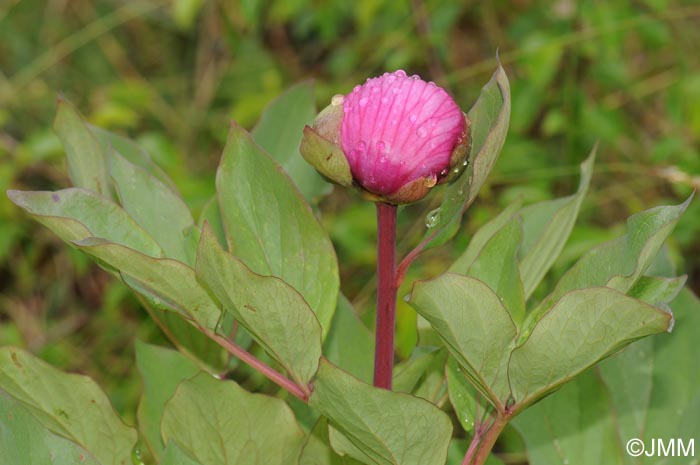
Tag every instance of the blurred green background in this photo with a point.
(171, 74)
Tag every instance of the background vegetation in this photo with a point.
(171, 74)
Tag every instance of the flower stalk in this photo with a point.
(386, 294)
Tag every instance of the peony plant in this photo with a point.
(254, 281)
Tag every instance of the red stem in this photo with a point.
(290, 386)
(386, 295)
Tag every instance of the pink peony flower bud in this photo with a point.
(399, 135)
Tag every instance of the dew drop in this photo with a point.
(385, 75)
(337, 100)
(361, 146)
(465, 162)
(456, 171)
(413, 118)
(400, 73)
(421, 132)
(356, 89)
(431, 84)
(443, 172)
(375, 89)
(381, 145)
(432, 218)
(415, 77)
(364, 101)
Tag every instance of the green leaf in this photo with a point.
(219, 423)
(657, 291)
(155, 207)
(71, 406)
(161, 371)
(75, 214)
(212, 215)
(461, 395)
(547, 226)
(173, 455)
(25, 441)
(423, 375)
(171, 284)
(133, 152)
(279, 132)
(647, 391)
(482, 237)
(349, 343)
(271, 228)
(415, 433)
(474, 325)
(617, 264)
(87, 161)
(584, 327)
(273, 312)
(497, 267)
(318, 451)
(489, 117)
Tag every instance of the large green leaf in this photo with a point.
(75, 214)
(617, 264)
(71, 406)
(87, 160)
(271, 228)
(280, 131)
(161, 371)
(547, 226)
(474, 325)
(155, 207)
(272, 311)
(379, 427)
(489, 117)
(25, 441)
(647, 391)
(219, 423)
(584, 327)
(173, 455)
(170, 283)
(349, 343)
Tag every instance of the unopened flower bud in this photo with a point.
(394, 137)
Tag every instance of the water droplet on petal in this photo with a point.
(431, 84)
(421, 132)
(400, 73)
(432, 218)
(413, 118)
(381, 145)
(375, 89)
(415, 77)
(361, 146)
(356, 89)
(337, 99)
(363, 101)
(443, 172)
